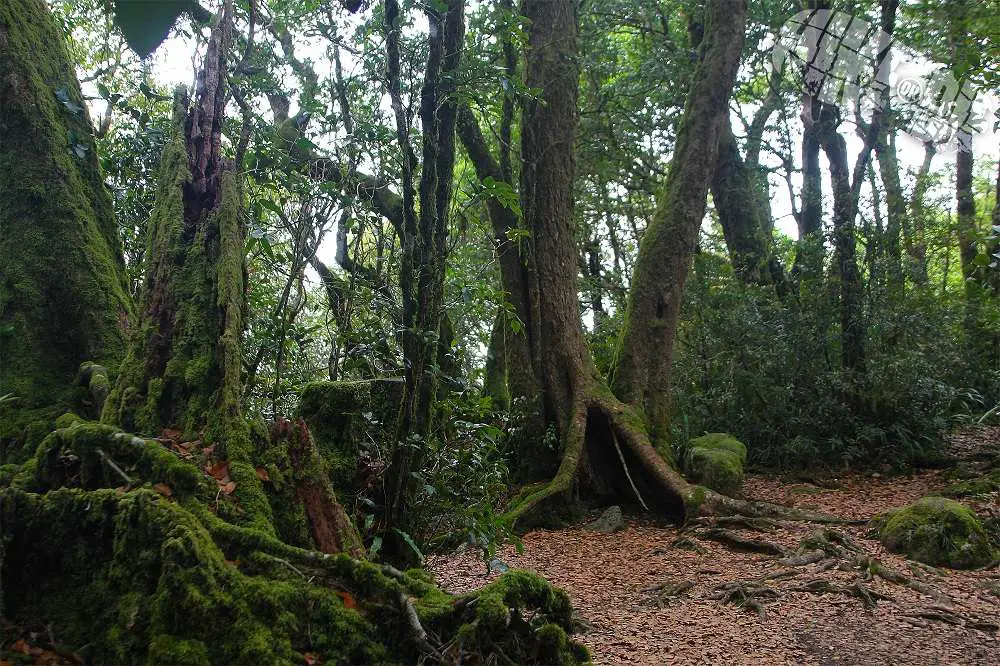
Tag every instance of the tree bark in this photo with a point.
(744, 214)
(641, 375)
(64, 298)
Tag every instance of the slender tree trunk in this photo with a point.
(743, 213)
(888, 164)
(913, 233)
(965, 209)
(809, 253)
(642, 370)
(422, 268)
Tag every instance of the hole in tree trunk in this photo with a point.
(606, 478)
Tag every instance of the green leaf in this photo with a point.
(409, 542)
(146, 23)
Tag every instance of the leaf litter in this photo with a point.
(654, 593)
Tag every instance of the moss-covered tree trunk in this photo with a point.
(739, 192)
(128, 550)
(63, 296)
(642, 367)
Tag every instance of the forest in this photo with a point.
(499, 332)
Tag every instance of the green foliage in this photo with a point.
(769, 373)
(146, 24)
(464, 480)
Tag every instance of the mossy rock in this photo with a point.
(716, 461)
(723, 442)
(936, 531)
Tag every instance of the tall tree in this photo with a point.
(63, 293)
(641, 376)
(605, 440)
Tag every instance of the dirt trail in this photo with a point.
(627, 586)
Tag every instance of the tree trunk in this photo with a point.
(888, 164)
(422, 268)
(743, 214)
(965, 209)
(642, 369)
(913, 233)
(809, 252)
(605, 442)
(64, 298)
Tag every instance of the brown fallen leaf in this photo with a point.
(348, 599)
(169, 433)
(310, 659)
(262, 474)
(228, 488)
(164, 489)
(219, 471)
(20, 645)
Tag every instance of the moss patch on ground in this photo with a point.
(936, 531)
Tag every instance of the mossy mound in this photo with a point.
(157, 574)
(340, 416)
(936, 531)
(716, 461)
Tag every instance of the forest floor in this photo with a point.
(654, 594)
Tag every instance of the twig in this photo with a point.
(111, 463)
(621, 456)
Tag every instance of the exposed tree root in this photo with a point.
(740, 543)
(651, 477)
(663, 594)
(868, 596)
(750, 595)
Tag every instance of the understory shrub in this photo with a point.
(768, 371)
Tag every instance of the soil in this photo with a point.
(657, 594)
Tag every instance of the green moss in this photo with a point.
(339, 414)
(78, 456)
(63, 294)
(716, 461)
(721, 441)
(66, 420)
(984, 484)
(524, 616)
(151, 586)
(22, 430)
(936, 531)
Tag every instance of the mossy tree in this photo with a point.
(162, 565)
(63, 295)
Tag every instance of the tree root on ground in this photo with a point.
(740, 543)
(663, 594)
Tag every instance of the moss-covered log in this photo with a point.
(63, 294)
